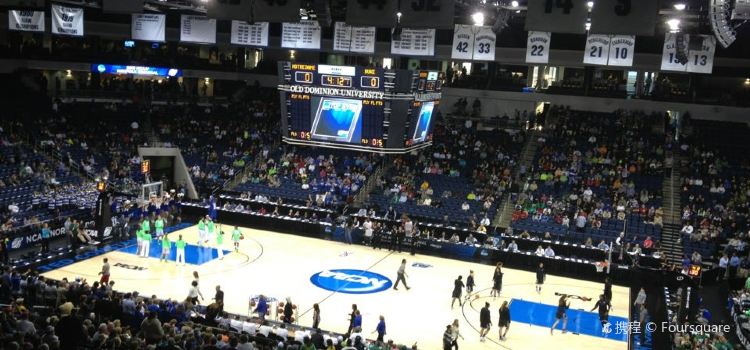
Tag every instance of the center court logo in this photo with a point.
(351, 281)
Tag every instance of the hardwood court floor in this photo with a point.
(280, 266)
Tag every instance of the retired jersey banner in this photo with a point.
(633, 17)
(67, 20)
(415, 42)
(276, 11)
(537, 47)
(463, 42)
(241, 10)
(484, 44)
(148, 27)
(378, 13)
(559, 16)
(669, 59)
(702, 60)
(302, 35)
(348, 38)
(27, 21)
(597, 49)
(197, 29)
(436, 14)
(621, 50)
(246, 34)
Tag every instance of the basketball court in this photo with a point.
(336, 275)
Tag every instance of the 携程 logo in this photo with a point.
(351, 281)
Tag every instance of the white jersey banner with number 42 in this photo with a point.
(621, 50)
(463, 42)
(597, 49)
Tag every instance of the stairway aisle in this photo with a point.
(671, 240)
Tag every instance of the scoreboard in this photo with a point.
(359, 108)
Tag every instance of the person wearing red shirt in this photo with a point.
(648, 243)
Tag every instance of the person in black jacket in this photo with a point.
(458, 285)
(540, 277)
(69, 329)
(484, 321)
(288, 311)
(504, 321)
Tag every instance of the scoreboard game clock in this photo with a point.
(358, 108)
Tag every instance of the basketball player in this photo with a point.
(236, 237)
(211, 226)
(219, 242)
(470, 284)
(484, 321)
(201, 231)
(608, 289)
(146, 225)
(159, 226)
(104, 272)
(458, 286)
(497, 280)
(504, 322)
(562, 308)
(540, 277)
(166, 247)
(401, 275)
(604, 306)
(180, 245)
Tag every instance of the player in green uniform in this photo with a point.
(219, 242)
(236, 237)
(180, 245)
(166, 247)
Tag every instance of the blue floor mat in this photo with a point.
(194, 255)
(581, 322)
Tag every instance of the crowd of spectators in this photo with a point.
(593, 172)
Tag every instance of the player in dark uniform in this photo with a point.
(497, 281)
(484, 321)
(470, 284)
(604, 306)
(562, 308)
(458, 286)
(608, 289)
(504, 322)
(540, 277)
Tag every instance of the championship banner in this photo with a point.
(122, 6)
(669, 61)
(197, 29)
(241, 10)
(702, 60)
(67, 20)
(378, 13)
(302, 35)
(559, 16)
(276, 11)
(27, 21)
(484, 44)
(463, 42)
(247, 34)
(621, 50)
(537, 47)
(597, 49)
(415, 42)
(436, 14)
(148, 27)
(631, 17)
(353, 38)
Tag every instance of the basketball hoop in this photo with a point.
(600, 266)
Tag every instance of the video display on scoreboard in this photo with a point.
(424, 120)
(337, 120)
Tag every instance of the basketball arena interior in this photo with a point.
(375, 174)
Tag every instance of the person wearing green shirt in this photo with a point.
(219, 242)
(139, 241)
(159, 226)
(236, 237)
(201, 231)
(146, 225)
(166, 246)
(146, 244)
(180, 245)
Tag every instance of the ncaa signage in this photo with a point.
(351, 281)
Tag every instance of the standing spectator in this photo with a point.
(45, 237)
(69, 329)
(151, 329)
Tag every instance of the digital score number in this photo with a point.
(370, 82)
(303, 77)
(373, 142)
(336, 81)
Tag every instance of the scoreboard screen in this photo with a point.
(357, 108)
